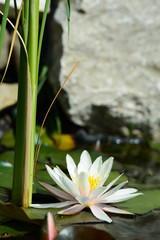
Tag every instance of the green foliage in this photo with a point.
(41, 34)
(8, 139)
(3, 25)
(143, 204)
(6, 174)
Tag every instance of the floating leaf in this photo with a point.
(7, 156)
(6, 173)
(32, 215)
(44, 138)
(8, 139)
(154, 145)
(12, 211)
(4, 194)
(18, 229)
(142, 204)
(113, 175)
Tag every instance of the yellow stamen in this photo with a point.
(93, 182)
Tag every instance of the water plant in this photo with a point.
(86, 188)
(27, 94)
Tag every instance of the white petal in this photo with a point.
(110, 185)
(96, 192)
(70, 186)
(113, 182)
(109, 208)
(56, 178)
(57, 192)
(72, 210)
(98, 213)
(114, 199)
(67, 182)
(82, 200)
(85, 162)
(83, 184)
(71, 166)
(105, 171)
(96, 166)
(113, 190)
(125, 191)
(63, 181)
(53, 205)
(59, 172)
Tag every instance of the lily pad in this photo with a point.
(6, 173)
(17, 228)
(32, 215)
(8, 139)
(12, 211)
(113, 175)
(44, 138)
(144, 203)
(7, 156)
(4, 194)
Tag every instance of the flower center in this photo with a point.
(93, 182)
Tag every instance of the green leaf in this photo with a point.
(6, 173)
(16, 228)
(8, 139)
(3, 25)
(44, 138)
(42, 34)
(7, 156)
(142, 204)
(82, 217)
(4, 194)
(33, 215)
(113, 175)
(12, 211)
(154, 145)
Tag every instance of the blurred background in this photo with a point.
(113, 96)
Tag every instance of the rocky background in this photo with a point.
(116, 87)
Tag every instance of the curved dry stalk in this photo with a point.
(13, 40)
(39, 145)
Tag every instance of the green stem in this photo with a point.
(42, 33)
(17, 189)
(32, 54)
(26, 108)
(25, 21)
(21, 122)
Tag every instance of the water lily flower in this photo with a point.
(85, 188)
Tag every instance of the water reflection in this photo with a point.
(140, 228)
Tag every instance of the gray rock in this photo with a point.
(117, 84)
(8, 95)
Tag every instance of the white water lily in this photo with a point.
(86, 188)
